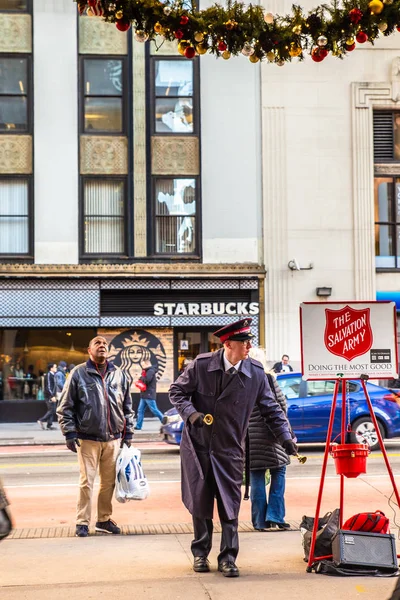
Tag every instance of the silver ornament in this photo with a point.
(322, 41)
(269, 18)
(141, 36)
(280, 63)
(247, 49)
(167, 10)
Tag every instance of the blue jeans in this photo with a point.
(273, 509)
(142, 407)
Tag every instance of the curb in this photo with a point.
(32, 442)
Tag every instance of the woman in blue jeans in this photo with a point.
(266, 453)
(148, 396)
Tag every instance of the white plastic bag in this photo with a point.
(130, 480)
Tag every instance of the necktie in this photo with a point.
(232, 371)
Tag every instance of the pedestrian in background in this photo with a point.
(5, 517)
(267, 453)
(93, 390)
(283, 366)
(50, 391)
(61, 376)
(148, 396)
(224, 386)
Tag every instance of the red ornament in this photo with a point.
(316, 54)
(179, 34)
(81, 6)
(323, 52)
(398, 27)
(92, 3)
(350, 48)
(361, 37)
(184, 20)
(222, 46)
(122, 25)
(355, 15)
(190, 52)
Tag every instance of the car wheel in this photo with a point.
(364, 432)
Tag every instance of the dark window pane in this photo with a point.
(103, 78)
(13, 113)
(174, 78)
(13, 76)
(19, 5)
(104, 217)
(384, 199)
(384, 246)
(175, 235)
(103, 114)
(174, 115)
(175, 196)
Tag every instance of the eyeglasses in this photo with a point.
(246, 343)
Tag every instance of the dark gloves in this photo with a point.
(290, 447)
(196, 419)
(126, 442)
(72, 444)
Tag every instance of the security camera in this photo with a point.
(294, 265)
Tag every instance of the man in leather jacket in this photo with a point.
(96, 417)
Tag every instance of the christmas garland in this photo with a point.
(237, 28)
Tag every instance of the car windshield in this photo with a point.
(290, 386)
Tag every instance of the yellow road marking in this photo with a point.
(361, 589)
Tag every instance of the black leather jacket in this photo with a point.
(91, 411)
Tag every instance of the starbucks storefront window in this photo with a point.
(25, 354)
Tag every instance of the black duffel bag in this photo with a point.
(328, 525)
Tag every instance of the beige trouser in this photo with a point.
(95, 456)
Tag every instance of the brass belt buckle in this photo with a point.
(208, 419)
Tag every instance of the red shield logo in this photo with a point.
(348, 332)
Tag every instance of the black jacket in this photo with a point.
(278, 367)
(50, 385)
(149, 378)
(265, 452)
(91, 411)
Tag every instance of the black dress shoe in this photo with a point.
(201, 564)
(228, 569)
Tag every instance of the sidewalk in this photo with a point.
(158, 567)
(30, 434)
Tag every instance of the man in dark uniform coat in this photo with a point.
(221, 387)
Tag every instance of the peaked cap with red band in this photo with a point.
(237, 332)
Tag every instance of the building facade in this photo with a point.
(130, 199)
(330, 183)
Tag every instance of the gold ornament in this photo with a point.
(297, 29)
(253, 58)
(226, 55)
(382, 26)
(295, 50)
(231, 24)
(388, 2)
(350, 41)
(90, 13)
(271, 56)
(182, 47)
(119, 14)
(376, 7)
(199, 36)
(158, 27)
(201, 49)
(269, 18)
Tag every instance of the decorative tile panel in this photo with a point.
(48, 284)
(49, 322)
(205, 284)
(16, 33)
(175, 155)
(104, 155)
(135, 321)
(147, 284)
(98, 37)
(139, 150)
(45, 303)
(15, 154)
(251, 284)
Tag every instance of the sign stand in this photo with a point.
(312, 558)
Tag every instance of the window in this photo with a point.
(386, 136)
(175, 216)
(103, 91)
(290, 386)
(320, 388)
(14, 94)
(173, 84)
(387, 222)
(104, 220)
(14, 216)
(15, 5)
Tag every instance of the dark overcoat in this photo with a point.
(218, 450)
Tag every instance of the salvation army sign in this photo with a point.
(348, 339)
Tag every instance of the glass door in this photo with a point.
(191, 342)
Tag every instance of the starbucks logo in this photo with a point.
(131, 349)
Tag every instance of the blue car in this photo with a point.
(309, 405)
